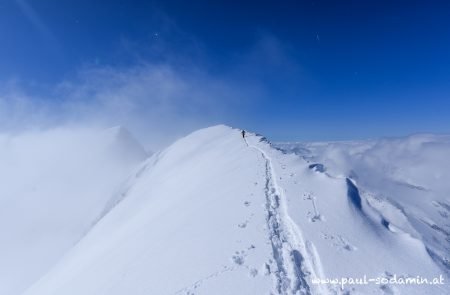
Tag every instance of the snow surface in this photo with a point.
(217, 214)
(403, 180)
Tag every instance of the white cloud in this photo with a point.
(157, 101)
(54, 184)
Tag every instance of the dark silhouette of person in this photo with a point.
(243, 133)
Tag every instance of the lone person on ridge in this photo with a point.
(243, 133)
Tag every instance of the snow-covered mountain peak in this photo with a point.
(216, 213)
(125, 144)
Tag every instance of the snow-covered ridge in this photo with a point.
(216, 213)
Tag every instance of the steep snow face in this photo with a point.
(217, 214)
(54, 185)
(192, 218)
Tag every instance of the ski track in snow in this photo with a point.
(191, 290)
(291, 254)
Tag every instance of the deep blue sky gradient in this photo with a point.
(330, 69)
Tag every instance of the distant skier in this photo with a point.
(243, 133)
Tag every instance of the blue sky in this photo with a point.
(293, 70)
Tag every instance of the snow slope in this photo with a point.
(54, 184)
(216, 214)
(402, 179)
